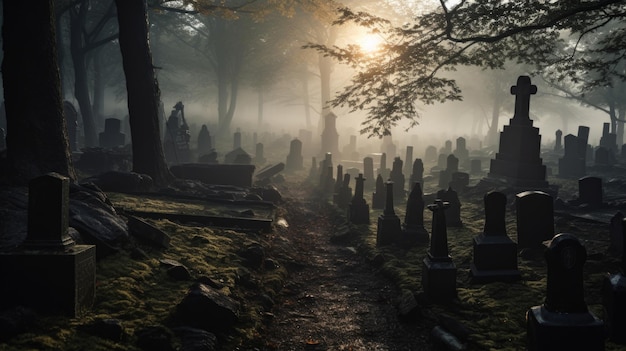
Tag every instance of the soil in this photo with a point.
(335, 299)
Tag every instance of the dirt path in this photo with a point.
(334, 300)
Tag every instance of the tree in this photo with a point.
(142, 89)
(418, 58)
(37, 141)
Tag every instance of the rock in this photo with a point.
(271, 194)
(408, 308)
(193, 339)
(253, 255)
(15, 321)
(206, 308)
(210, 282)
(453, 326)
(108, 328)
(148, 233)
(180, 273)
(155, 338)
(445, 341)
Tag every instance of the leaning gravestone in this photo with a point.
(389, 230)
(438, 269)
(535, 218)
(614, 295)
(413, 227)
(495, 254)
(358, 209)
(49, 272)
(563, 322)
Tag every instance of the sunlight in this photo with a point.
(369, 43)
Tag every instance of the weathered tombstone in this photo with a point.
(237, 139)
(590, 191)
(441, 161)
(177, 136)
(389, 230)
(338, 179)
(71, 119)
(476, 167)
(602, 157)
(379, 196)
(397, 178)
(608, 140)
(49, 272)
(413, 226)
(535, 218)
(294, 158)
(461, 152)
(452, 166)
(270, 171)
(430, 154)
(238, 157)
(407, 160)
(368, 171)
(563, 322)
(453, 213)
(495, 254)
(572, 164)
(330, 137)
(447, 148)
(614, 292)
(417, 172)
(259, 157)
(383, 170)
(313, 172)
(557, 143)
(205, 144)
(345, 193)
(359, 210)
(111, 137)
(583, 136)
(616, 233)
(459, 181)
(438, 269)
(518, 160)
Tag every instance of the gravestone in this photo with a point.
(269, 171)
(407, 160)
(413, 227)
(112, 135)
(237, 139)
(379, 196)
(49, 272)
(71, 119)
(330, 137)
(430, 154)
(602, 157)
(327, 182)
(583, 136)
(438, 269)
(313, 171)
(177, 136)
(452, 166)
(237, 156)
(563, 322)
(616, 233)
(447, 148)
(614, 292)
(368, 171)
(476, 167)
(590, 191)
(495, 254)
(461, 152)
(535, 218)
(359, 210)
(295, 161)
(441, 161)
(389, 230)
(572, 164)
(398, 180)
(417, 172)
(345, 193)
(518, 160)
(338, 179)
(205, 143)
(453, 212)
(557, 143)
(459, 181)
(383, 170)
(608, 140)
(259, 157)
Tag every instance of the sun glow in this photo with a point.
(370, 43)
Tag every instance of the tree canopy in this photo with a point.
(415, 62)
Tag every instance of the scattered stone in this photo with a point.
(180, 273)
(147, 232)
(408, 308)
(207, 309)
(210, 282)
(253, 255)
(193, 339)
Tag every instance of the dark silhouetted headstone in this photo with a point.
(495, 254)
(430, 154)
(535, 218)
(602, 157)
(295, 162)
(379, 196)
(398, 179)
(572, 164)
(413, 226)
(177, 136)
(438, 269)
(616, 233)
(407, 160)
(112, 135)
(459, 181)
(590, 191)
(205, 143)
(557, 143)
(330, 137)
(49, 272)
(389, 229)
(461, 152)
(368, 171)
(313, 171)
(518, 160)
(345, 193)
(237, 139)
(383, 170)
(259, 157)
(563, 322)
(359, 210)
(453, 212)
(417, 172)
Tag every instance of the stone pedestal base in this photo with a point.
(359, 213)
(389, 230)
(55, 282)
(439, 278)
(614, 301)
(495, 259)
(547, 330)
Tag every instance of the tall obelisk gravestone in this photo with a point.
(517, 162)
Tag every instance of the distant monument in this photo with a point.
(517, 162)
(330, 137)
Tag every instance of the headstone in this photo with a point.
(430, 154)
(590, 191)
(417, 172)
(535, 218)
(453, 212)
(270, 171)
(313, 172)
(383, 170)
(205, 143)
(398, 180)
(476, 167)
(447, 148)
(338, 179)
(452, 166)
(563, 322)
(259, 157)
(359, 210)
(294, 158)
(49, 272)
(461, 152)
(495, 254)
(379, 196)
(389, 230)
(438, 269)
(602, 157)
(413, 227)
(608, 140)
(368, 171)
(441, 161)
(572, 164)
(557, 143)
(330, 137)
(237, 157)
(112, 135)
(177, 136)
(583, 136)
(518, 160)
(237, 139)
(614, 289)
(459, 181)
(616, 233)
(345, 193)
(407, 160)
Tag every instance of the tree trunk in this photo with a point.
(37, 140)
(98, 88)
(142, 89)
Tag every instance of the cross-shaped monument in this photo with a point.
(522, 92)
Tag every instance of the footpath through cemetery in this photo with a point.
(451, 248)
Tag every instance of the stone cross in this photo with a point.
(522, 92)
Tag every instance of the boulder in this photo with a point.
(206, 308)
